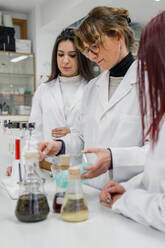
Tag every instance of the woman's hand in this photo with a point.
(60, 132)
(47, 149)
(9, 171)
(111, 192)
(102, 164)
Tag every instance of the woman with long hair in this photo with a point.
(57, 102)
(143, 197)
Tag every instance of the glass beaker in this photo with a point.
(32, 205)
(74, 208)
(60, 175)
(60, 188)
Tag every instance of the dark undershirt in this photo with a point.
(122, 67)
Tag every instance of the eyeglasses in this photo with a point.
(93, 49)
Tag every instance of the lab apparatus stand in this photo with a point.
(18, 133)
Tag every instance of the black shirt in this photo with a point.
(122, 67)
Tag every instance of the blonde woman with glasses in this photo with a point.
(110, 124)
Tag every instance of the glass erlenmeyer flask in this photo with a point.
(32, 204)
(74, 208)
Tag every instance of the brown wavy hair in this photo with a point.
(84, 64)
(102, 20)
(151, 65)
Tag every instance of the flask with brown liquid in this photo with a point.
(74, 208)
(32, 205)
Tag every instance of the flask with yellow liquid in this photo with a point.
(74, 208)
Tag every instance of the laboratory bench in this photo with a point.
(104, 228)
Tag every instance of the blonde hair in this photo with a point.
(113, 22)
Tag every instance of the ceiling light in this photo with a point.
(19, 58)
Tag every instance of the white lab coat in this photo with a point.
(48, 110)
(115, 124)
(144, 200)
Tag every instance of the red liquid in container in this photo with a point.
(57, 202)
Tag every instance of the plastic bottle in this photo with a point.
(0, 108)
(5, 109)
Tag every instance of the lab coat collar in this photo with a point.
(58, 95)
(123, 89)
(77, 95)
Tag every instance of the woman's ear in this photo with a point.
(120, 35)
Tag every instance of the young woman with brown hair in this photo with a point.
(56, 103)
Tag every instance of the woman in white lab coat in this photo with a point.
(56, 103)
(143, 197)
(110, 115)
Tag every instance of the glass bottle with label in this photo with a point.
(60, 174)
(74, 208)
(5, 109)
(32, 205)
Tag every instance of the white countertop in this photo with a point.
(103, 228)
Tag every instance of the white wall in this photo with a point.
(64, 12)
(33, 31)
(15, 14)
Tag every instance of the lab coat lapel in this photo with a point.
(56, 92)
(122, 90)
(125, 86)
(102, 88)
(77, 96)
